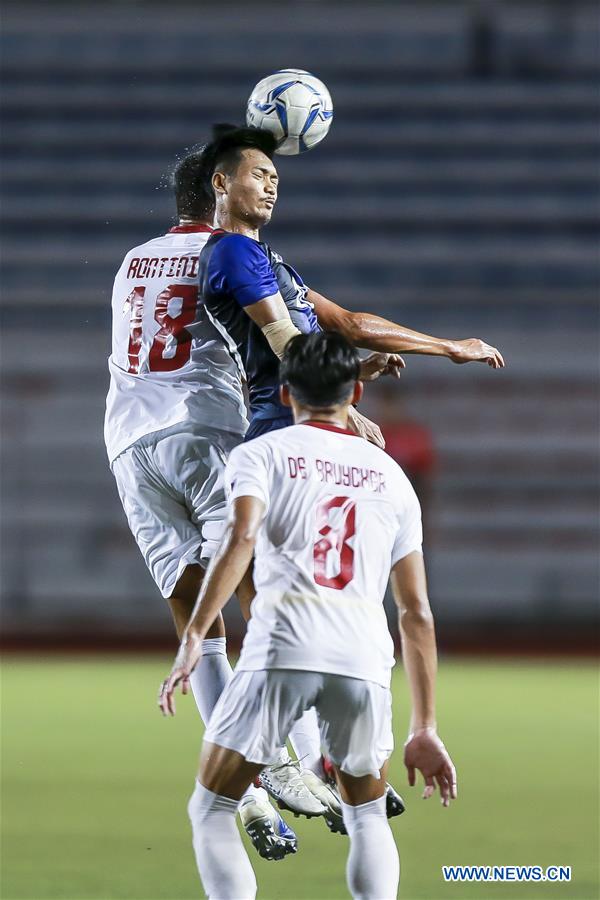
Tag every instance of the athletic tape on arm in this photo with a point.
(279, 334)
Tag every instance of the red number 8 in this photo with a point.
(333, 539)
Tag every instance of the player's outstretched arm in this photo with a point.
(224, 575)
(273, 318)
(374, 333)
(423, 749)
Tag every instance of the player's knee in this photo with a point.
(356, 791)
(183, 599)
(225, 772)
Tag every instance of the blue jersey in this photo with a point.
(236, 271)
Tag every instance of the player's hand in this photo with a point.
(186, 660)
(365, 428)
(474, 350)
(425, 751)
(376, 364)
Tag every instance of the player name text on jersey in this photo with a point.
(335, 473)
(163, 267)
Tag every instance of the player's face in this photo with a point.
(252, 189)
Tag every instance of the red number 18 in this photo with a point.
(172, 328)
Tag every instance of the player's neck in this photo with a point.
(228, 222)
(337, 417)
(188, 221)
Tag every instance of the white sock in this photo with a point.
(210, 676)
(306, 741)
(282, 757)
(373, 867)
(253, 793)
(207, 682)
(222, 861)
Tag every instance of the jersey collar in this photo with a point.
(326, 426)
(190, 229)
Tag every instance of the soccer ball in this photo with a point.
(295, 106)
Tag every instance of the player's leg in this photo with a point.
(172, 544)
(199, 477)
(356, 729)
(251, 720)
(183, 600)
(222, 861)
(213, 671)
(373, 866)
(394, 804)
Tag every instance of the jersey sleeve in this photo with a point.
(409, 537)
(247, 472)
(239, 266)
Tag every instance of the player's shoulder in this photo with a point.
(141, 249)
(148, 248)
(227, 252)
(231, 242)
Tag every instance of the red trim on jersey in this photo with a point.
(328, 427)
(189, 229)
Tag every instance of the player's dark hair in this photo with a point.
(225, 150)
(192, 176)
(194, 199)
(320, 368)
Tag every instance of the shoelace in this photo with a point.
(293, 779)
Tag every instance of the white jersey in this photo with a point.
(339, 514)
(168, 364)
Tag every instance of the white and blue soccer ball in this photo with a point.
(295, 106)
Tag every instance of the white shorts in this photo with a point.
(171, 487)
(256, 711)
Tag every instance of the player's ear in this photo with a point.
(358, 392)
(218, 183)
(284, 395)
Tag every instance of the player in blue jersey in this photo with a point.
(259, 302)
(256, 299)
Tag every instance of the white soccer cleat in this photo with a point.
(327, 795)
(271, 836)
(284, 783)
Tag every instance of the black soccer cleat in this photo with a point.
(394, 804)
(335, 823)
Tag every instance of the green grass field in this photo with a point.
(95, 785)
